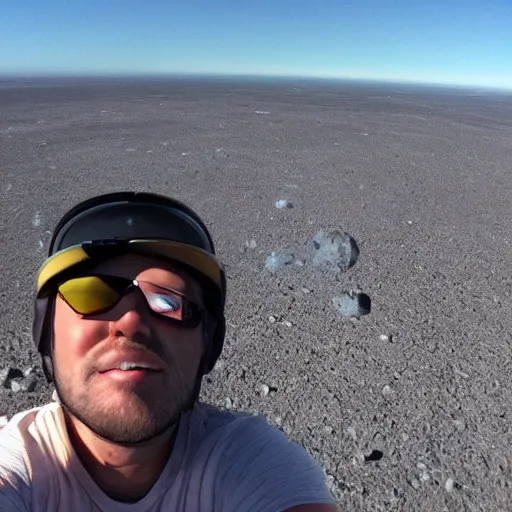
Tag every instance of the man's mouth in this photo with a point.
(128, 367)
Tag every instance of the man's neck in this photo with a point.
(124, 474)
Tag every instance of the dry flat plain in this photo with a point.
(407, 408)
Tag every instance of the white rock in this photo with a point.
(283, 203)
(352, 432)
(228, 403)
(15, 386)
(424, 476)
(265, 390)
(448, 485)
(287, 323)
(384, 337)
(272, 319)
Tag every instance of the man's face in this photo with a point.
(127, 410)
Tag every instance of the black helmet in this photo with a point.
(139, 223)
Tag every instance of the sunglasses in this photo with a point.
(95, 294)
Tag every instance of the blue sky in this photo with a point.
(451, 41)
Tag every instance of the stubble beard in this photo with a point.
(136, 421)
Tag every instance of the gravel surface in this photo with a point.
(366, 234)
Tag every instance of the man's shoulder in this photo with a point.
(228, 422)
(242, 434)
(21, 422)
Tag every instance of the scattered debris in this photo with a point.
(16, 380)
(278, 259)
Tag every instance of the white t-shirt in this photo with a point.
(222, 461)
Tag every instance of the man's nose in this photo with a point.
(131, 318)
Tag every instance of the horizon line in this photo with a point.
(255, 75)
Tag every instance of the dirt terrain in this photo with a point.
(366, 234)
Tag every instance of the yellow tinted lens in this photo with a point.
(87, 295)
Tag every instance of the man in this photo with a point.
(129, 317)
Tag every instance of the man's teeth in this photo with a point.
(131, 366)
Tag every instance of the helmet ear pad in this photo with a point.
(215, 332)
(46, 347)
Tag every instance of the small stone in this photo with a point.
(415, 484)
(424, 477)
(353, 304)
(283, 203)
(251, 244)
(228, 403)
(420, 465)
(330, 481)
(272, 319)
(278, 421)
(29, 384)
(459, 425)
(386, 390)
(279, 259)
(461, 373)
(265, 390)
(448, 485)
(221, 363)
(4, 373)
(287, 323)
(16, 386)
(28, 371)
(305, 290)
(352, 432)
